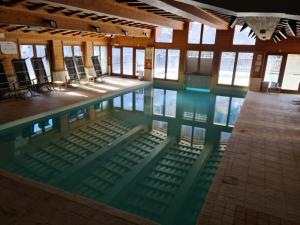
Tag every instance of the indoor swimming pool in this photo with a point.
(152, 152)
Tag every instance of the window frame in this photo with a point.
(166, 64)
(233, 44)
(100, 55)
(73, 51)
(234, 68)
(164, 42)
(201, 36)
(199, 61)
(134, 75)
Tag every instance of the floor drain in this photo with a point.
(230, 180)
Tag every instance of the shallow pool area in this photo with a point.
(152, 152)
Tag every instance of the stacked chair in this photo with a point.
(97, 68)
(5, 85)
(23, 79)
(40, 73)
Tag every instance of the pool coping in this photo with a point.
(70, 106)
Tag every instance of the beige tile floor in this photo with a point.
(14, 109)
(258, 181)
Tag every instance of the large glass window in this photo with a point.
(41, 51)
(164, 35)
(173, 64)
(273, 68)
(193, 136)
(206, 62)
(139, 62)
(77, 50)
(27, 53)
(291, 79)
(194, 35)
(160, 63)
(192, 61)
(127, 61)
(235, 70)
(226, 68)
(243, 69)
(242, 37)
(199, 62)
(209, 35)
(117, 102)
(139, 100)
(128, 101)
(101, 52)
(199, 33)
(72, 50)
(116, 60)
(166, 59)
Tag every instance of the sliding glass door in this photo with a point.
(291, 76)
(273, 68)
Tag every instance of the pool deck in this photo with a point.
(14, 111)
(258, 181)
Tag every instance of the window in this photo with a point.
(72, 50)
(273, 68)
(116, 60)
(101, 52)
(243, 69)
(164, 102)
(139, 62)
(128, 61)
(227, 110)
(226, 68)
(158, 102)
(42, 127)
(164, 35)
(166, 64)
(160, 63)
(29, 51)
(198, 31)
(194, 36)
(235, 70)
(78, 114)
(291, 78)
(117, 102)
(173, 64)
(209, 35)
(201, 65)
(242, 37)
(101, 106)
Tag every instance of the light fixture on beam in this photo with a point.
(33, 28)
(292, 26)
(274, 39)
(244, 27)
(233, 21)
(125, 32)
(283, 33)
(96, 29)
(145, 34)
(51, 23)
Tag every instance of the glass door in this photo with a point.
(139, 62)
(291, 78)
(273, 68)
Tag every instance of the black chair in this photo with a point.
(97, 67)
(5, 85)
(23, 79)
(40, 73)
(72, 72)
(80, 67)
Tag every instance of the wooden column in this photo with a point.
(57, 58)
(88, 52)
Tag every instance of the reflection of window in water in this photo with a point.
(171, 98)
(235, 108)
(43, 126)
(195, 110)
(139, 100)
(128, 101)
(77, 114)
(224, 138)
(158, 102)
(117, 102)
(221, 110)
(160, 126)
(192, 136)
(101, 106)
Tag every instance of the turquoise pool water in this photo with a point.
(152, 152)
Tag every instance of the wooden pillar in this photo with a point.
(57, 57)
(88, 52)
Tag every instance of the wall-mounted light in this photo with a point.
(145, 34)
(51, 23)
(125, 32)
(97, 29)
